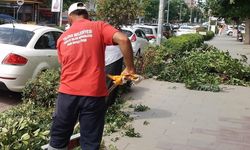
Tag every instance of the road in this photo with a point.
(8, 99)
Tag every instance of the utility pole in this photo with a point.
(160, 22)
(61, 12)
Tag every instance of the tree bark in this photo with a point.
(247, 33)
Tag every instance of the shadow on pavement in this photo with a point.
(8, 99)
(153, 113)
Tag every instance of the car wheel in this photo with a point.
(230, 33)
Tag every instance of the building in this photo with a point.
(31, 11)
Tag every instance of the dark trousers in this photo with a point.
(113, 69)
(91, 113)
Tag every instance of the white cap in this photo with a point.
(76, 6)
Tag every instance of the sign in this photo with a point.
(20, 2)
(56, 6)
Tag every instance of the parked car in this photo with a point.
(150, 31)
(185, 30)
(138, 39)
(26, 51)
(6, 19)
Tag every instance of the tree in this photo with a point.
(234, 9)
(178, 9)
(118, 12)
(150, 9)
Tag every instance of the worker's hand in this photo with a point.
(129, 71)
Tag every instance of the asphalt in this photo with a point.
(182, 119)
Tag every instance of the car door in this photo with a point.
(144, 40)
(46, 47)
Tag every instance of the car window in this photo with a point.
(138, 33)
(143, 35)
(146, 30)
(15, 36)
(46, 41)
(56, 35)
(128, 33)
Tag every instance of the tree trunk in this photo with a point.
(247, 33)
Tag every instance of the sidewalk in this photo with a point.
(182, 119)
(230, 44)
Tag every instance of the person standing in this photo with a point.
(82, 89)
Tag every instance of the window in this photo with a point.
(56, 35)
(128, 33)
(143, 35)
(138, 34)
(15, 36)
(147, 30)
(48, 40)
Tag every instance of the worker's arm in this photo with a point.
(126, 48)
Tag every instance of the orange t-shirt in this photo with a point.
(81, 51)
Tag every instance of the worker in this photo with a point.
(82, 88)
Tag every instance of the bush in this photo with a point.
(156, 57)
(24, 127)
(153, 62)
(42, 91)
(205, 70)
(177, 47)
(186, 59)
(209, 35)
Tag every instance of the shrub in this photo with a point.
(24, 127)
(153, 61)
(205, 70)
(177, 47)
(42, 91)
(156, 57)
(186, 59)
(209, 35)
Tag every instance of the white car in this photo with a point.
(138, 39)
(150, 31)
(26, 51)
(185, 30)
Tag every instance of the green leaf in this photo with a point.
(25, 137)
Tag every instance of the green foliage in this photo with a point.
(175, 7)
(24, 127)
(186, 59)
(179, 46)
(27, 126)
(116, 119)
(209, 35)
(238, 8)
(42, 91)
(205, 70)
(118, 13)
(130, 132)
(150, 9)
(141, 108)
